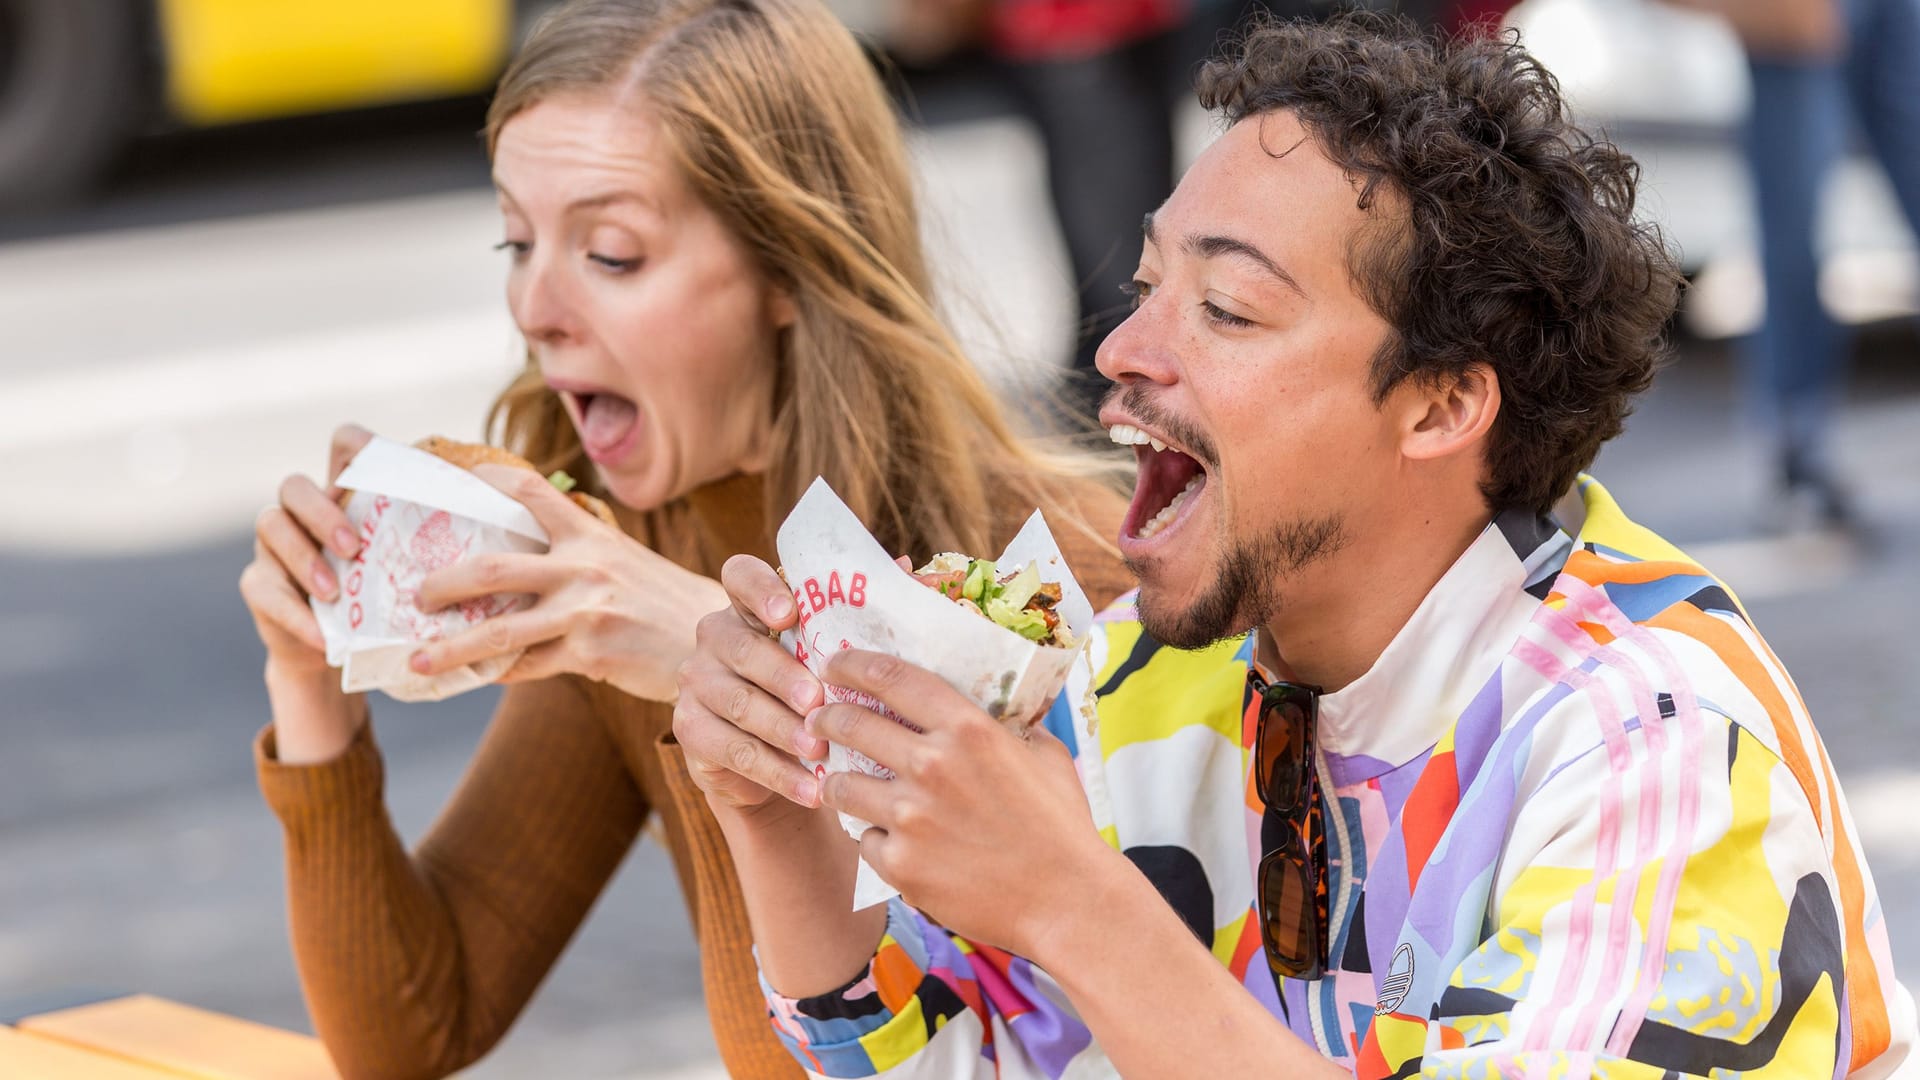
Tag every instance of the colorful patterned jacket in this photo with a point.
(1579, 825)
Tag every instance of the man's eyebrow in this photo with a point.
(1212, 247)
(1146, 229)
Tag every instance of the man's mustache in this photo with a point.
(1139, 402)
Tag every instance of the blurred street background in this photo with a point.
(181, 340)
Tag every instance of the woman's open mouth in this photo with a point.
(1169, 485)
(609, 424)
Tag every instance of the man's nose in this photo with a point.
(1141, 347)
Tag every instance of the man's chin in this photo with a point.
(1184, 624)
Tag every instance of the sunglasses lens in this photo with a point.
(1283, 764)
(1288, 921)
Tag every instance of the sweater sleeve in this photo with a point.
(414, 965)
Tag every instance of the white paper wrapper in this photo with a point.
(851, 594)
(415, 514)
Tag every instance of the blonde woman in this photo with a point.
(716, 264)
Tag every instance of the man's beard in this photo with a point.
(1245, 592)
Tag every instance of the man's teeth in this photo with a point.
(1165, 517)
(1128, 435)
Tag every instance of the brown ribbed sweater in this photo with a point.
(414, 965)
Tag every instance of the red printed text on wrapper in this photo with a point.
(356, 578)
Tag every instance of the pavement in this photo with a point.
(174, 351)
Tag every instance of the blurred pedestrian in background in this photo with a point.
(1100, 79)
(716, 265)
(1821, 69)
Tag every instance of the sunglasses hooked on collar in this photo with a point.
(1292, 876)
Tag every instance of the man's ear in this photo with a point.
(1453, 416)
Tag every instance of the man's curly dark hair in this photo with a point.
(1519, 246)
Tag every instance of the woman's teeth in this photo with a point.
(1165, 517)
(1128, 435)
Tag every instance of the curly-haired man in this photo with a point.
(1414, 755)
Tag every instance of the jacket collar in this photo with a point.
(1443, 656)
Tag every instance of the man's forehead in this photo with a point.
(1264, 175)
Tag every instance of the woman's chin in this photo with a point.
(637, 493)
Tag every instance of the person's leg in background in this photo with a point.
(1795, 363)
(1883, 78)
(1107, 122)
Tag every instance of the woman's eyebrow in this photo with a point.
(611, 198)
(585, 202)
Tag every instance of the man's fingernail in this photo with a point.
(807, 791)
(345, 542)
(802, 696)
(779, 609)
(324, 585)
(421, 662)
(808, 747)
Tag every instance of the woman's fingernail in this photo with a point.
(324, 585)
(807, 792)
(345, 542)
(421, 662)
(780, 609)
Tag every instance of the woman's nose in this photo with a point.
(541, 304)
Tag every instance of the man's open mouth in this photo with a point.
(1170, 481)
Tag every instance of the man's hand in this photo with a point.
(742, 696)
(980, 828)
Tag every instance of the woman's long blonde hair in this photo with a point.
(780, 124)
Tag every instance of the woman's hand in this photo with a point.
(607, 607)
(742, 697)
(986, 832)
(313, 718)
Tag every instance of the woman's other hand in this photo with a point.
(743, 697)
(607, 607)
(313, 718)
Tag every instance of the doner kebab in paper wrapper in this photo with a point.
(416, 510)
(851, 594)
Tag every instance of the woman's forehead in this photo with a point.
(586, 150)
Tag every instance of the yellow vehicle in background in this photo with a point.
(79, 77)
